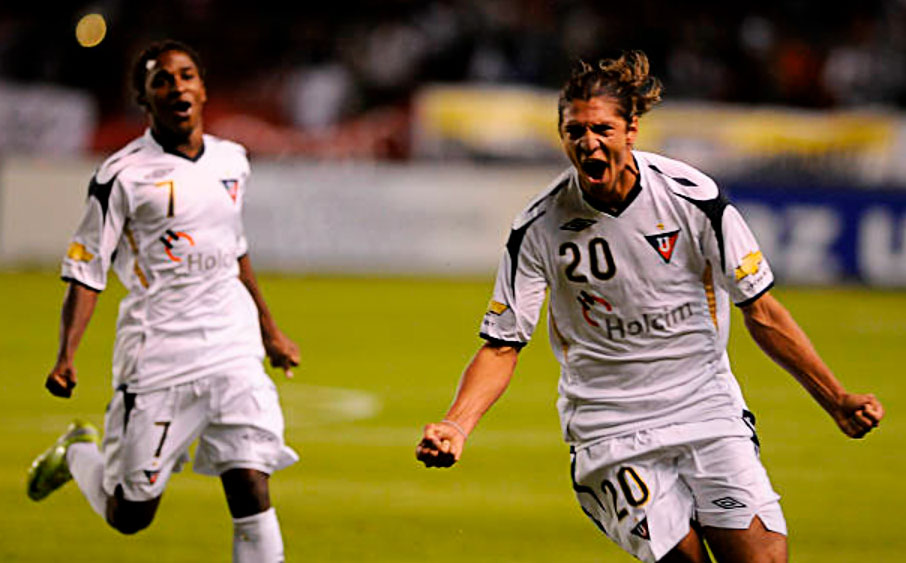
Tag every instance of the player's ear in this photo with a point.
(632, 130)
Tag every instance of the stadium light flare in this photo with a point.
(91, 30)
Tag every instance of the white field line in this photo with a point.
(305, 406)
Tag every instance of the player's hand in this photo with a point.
(441, 445)
(62, 380)
(857, 415)
(282, 352)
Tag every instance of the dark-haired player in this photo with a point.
(642, 256)
(165, 213)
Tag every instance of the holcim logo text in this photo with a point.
(199, 262)
(618, 328)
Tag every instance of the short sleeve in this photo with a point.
(746, 272)
(518, 293)
(92, 247)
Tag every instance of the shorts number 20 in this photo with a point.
(635, 491)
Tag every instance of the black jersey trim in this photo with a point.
(550, 194)
(69, 279)
(760, 294)
(714, 211)
(678, 179)
(618, 209)
(498, 343)
(514, 243)
(101, 192)
(175, 152)
(712, 208)
(112, 161)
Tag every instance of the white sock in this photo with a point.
(87, 467)
(256, 538)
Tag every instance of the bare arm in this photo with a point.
(777, 333)
(78, 306)
(282, 352)
(483, 382)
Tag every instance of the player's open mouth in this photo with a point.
(181, 108)
(594, 168)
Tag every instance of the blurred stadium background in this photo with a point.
(392, 143)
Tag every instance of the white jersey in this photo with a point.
(171, 228)
(639, 298)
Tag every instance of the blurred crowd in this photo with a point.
(313, 67)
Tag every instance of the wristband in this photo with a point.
(456, 426)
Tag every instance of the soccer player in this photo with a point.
(165, 213)
(642, 256)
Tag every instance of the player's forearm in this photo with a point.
(78, 307)
(781, 338)
(483, 382)
(248, 279)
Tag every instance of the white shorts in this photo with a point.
(235, 417)
(643, 489)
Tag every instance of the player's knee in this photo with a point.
(129, 517)
(129, 526)
(247, 491)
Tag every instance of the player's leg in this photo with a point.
(736, 505)
(690, 549)
(130, 517)
(756, 544)
(145, 440)
(243, 444)
(247, 491)
(256, 530)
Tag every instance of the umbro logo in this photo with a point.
(728, 503)
(577, 224)
(159, 173)
(663, 243)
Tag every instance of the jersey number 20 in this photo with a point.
(598, 252)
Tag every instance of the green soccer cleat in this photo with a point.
(49, 471)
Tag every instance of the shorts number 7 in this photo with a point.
(163, 436)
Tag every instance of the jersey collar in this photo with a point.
(618, 210)
(150, 137)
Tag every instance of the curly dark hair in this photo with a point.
(140, 67)
(625, 79)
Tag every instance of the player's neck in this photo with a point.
(188, 144)
(614, 198)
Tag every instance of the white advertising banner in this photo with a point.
(383, 219)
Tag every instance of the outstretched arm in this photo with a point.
(483, 382)
(282, 352)
(78, 306)
(777, 333)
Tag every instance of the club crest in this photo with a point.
(232, 188)
(663, 244)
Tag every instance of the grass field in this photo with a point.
(380, 359)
